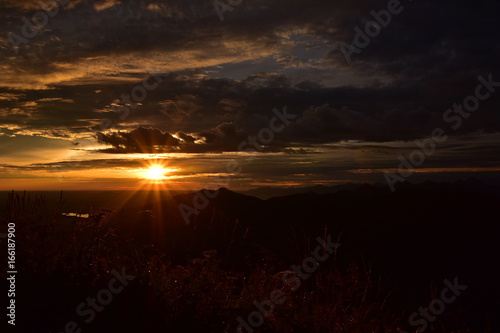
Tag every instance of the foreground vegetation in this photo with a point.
(62, 262)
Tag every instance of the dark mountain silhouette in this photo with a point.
(269, 192)
(470, 184)
(418, 234)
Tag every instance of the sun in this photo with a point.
(155, 172)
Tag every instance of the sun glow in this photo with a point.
(156, 172)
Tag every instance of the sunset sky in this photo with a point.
(69, 119)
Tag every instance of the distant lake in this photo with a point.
(83, 216)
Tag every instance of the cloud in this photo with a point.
(140, 140)
(102, 5)
(221, 80)
(225, 137)
(10, 96)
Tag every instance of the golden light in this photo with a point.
(155, 172)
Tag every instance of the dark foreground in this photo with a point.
(424, 257)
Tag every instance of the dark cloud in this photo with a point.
(108, 46)
(224, 137)
(140, 140)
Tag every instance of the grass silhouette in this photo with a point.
(61, 263)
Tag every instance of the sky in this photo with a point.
(93, 94)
